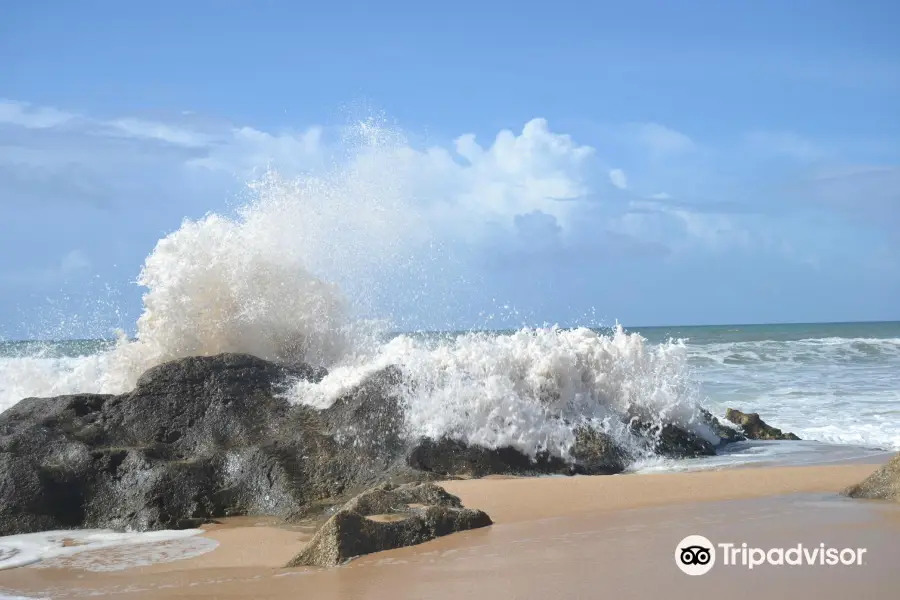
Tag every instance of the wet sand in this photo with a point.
(577, 537)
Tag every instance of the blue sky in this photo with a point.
(663, 163)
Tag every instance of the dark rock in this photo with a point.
(414, 514)
(676, 442)
(376, 427)
(672, 441)
(755, 428)
(451, 458)
(883, 484)
(197, 439)
(596, 453)
(727, 435)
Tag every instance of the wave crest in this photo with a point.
(530, 389)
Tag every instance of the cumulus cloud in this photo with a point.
(518, 172)
(512, 189)
(682, 228)
(617, 178)
(536, 170)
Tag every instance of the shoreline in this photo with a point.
(552, 523)
(555, 496)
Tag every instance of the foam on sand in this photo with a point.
(100, 549)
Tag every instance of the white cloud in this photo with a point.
(617, 178)
(661, 140)
(246, 149)
(72, 265)
(786, 144)
(535, 169)
(683, 229)
(717, 231)
(31, 117)
(161, 132)
(466, 189)
(519, 174)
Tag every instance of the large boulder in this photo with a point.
(755, 428)
(385, 518)
(197, 439)
(883, 484)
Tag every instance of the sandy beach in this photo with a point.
(553, 537)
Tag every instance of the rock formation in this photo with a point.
(755, 428)
(209, 437)
(388, 517)
(198, 438)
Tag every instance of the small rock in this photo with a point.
(416, 513)
(883, 484)
(727, 435)
(755, 428)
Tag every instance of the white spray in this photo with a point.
(282, 278)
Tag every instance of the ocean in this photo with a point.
(831, 382)
(837, 384)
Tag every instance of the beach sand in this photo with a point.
(553, 537)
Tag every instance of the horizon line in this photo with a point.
(452, 331)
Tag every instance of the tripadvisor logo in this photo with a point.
(696, 555)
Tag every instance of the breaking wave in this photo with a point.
(529, 389)
(285, 277)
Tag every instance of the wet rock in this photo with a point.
(197, 439)
(675, 442)
(726, 434)
(755, 428)
(451, 458)
(597, 453)
(371, 416)
(883, 484)
(409, 515)
(594, 453)
(672, 441)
